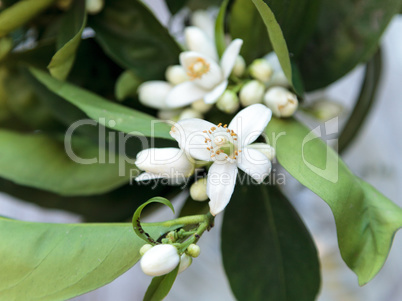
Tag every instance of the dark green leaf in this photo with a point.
(136, 217)
(267, 252)
(38, 161)
(160, 286)
(68, 40)
(220, 40)
(105, 112)
(246, 24)
(20, 13)
(60, 261)
(134, 38)
(348, 33)
(277, 40)
(115, 206)
(175, 5)
(366, 221)
(126, 85)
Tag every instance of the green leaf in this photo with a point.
(160, 286)
(245, 23)
(38, 161)
(114, 206)
(60, 261)
(105, 112)
(20, 13)
(366, 221)
(131, 35)
(348, 33)
(175, 5)
(277, 40)
(68, 40)
(267, 252)
(220, 41)
(126, 85)
(136, 217)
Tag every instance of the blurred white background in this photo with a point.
(374, 156)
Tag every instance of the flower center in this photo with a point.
(222, 143)
(198, 68)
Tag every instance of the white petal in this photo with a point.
(169, 162)
(197, 40)
(146, 176)
(254, 163)
(228, 59)
(203, 20)
(208, 76)
(250, 122)
(153, 94)
(212, 97)
(188, 133)
(184, 94)
(220, 186)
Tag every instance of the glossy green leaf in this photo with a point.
(60, 261)
(131, 35)
(115, 206)
(160, 286)
(348, 33)
(126, 85)
(277, 40)
(105, 112)
(20, 13)
(220, 40)
(267, 252)
(136, 217)
(366, 221)
(245, 23)
(38, 161)
(68, 40)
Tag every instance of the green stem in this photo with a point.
(206, 225)
(364, 102)
(186, 220)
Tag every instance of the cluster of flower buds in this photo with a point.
(161, 259)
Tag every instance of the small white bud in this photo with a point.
(185, 262)
(201, 106)
(282, 102)
(264, 148)
(160, 260)
(228, 102)
(251, 93)
(190, 113)
(176, 74)
(145, 248)
(198, 191)
(193, 250)
(261, 69)
(279, 79)
(326, 109)
(94, 6)
(153, 93)
(239, 66)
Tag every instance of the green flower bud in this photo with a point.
(198, 191)
(239, 66)
(261, 69)
(193, 250)
(228, 102)
(145, 248)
